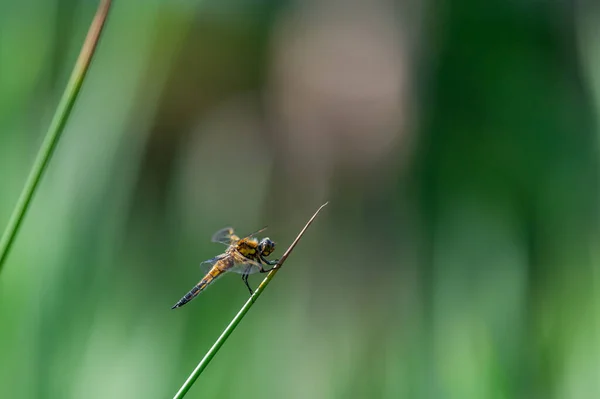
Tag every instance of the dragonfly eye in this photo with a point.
(266, 246)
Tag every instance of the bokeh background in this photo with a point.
(457, 143)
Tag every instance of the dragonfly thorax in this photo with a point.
(247, 247)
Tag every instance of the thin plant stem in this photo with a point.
(238, 317)
(55, 130)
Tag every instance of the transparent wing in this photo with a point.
(256, 232)
(208, 264)
(231, 262)
(227, 235)
(243, 265)
(224, 236)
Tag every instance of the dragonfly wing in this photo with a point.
(243, 265)
(256, 232)
(225, 236)
(208, 264)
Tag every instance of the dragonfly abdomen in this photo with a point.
(198, 288)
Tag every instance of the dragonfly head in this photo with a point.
(266, 246)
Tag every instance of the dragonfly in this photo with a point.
(245, 256)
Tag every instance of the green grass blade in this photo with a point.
(55, 130)
(238, 317)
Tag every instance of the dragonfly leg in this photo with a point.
(245, 280)
(268, 262)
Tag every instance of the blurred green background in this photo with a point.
(457, 143)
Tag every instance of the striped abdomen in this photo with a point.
(198, 288)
